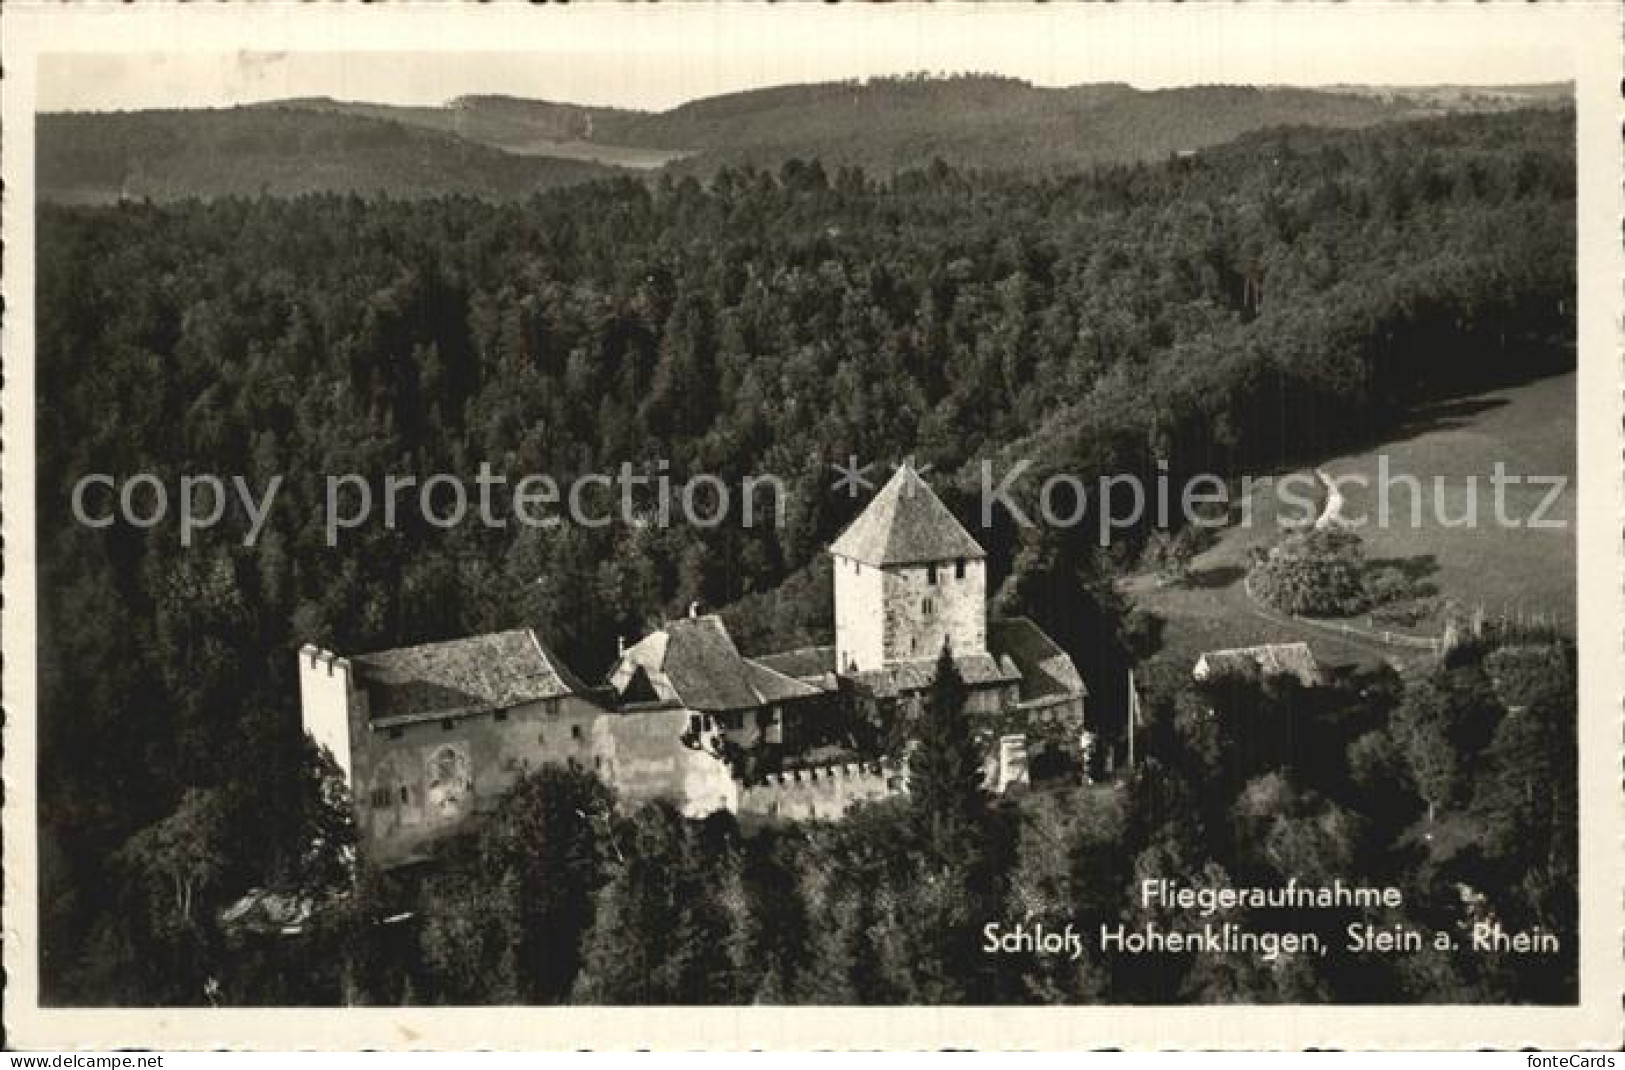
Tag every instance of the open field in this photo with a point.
(1452, 449)
(634, 157)
(1528, 428)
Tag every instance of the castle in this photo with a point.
(429, 736)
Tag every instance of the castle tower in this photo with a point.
(327, 696)
(908, 577)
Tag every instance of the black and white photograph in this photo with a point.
(706, 506)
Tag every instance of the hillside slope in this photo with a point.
(283, 152)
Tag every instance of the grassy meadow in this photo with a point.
(1529, 428)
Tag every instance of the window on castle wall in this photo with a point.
(575, 732)
(928, 606)
(501, 715)
(959, 569)
(396, 733)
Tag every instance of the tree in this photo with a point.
(1169, 555)
(181, 857)
(661, 934)
(550, 831)
(1441, 726)
(945, 769)
(508, 909)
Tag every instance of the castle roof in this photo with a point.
(808, 663)
(1046, 670)
(462, 676)
(1018, 649)
(694, 662)
(908, 677)
(905, 524)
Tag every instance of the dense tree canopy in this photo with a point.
(1266, 300)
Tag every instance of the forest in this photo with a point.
(1264, 301)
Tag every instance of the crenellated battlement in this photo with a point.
(325, 661)
(820, 791)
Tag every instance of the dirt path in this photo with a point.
(1398, 655)
(1331, 510)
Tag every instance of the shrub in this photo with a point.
(1313, 573)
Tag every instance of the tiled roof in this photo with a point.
(1271, 659)
(1046, 670)
(804, 663)
(481, 672)
(977, 670)
(906, 523)
(693, 661)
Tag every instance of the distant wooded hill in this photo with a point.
(504, 148)
(282, 152)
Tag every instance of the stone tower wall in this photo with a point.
(859, 616)
(920, 614)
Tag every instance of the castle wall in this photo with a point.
(859, 635)
(919, 614)
(823, 793)
(416, 783)
(651, 762)
(988, 701)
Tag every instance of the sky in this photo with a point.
(654, 57)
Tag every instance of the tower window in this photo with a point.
(931, 575)
(959, 569)
(928, 606)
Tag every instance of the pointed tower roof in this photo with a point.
(905, 524)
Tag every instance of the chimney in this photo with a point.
(694, 609)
